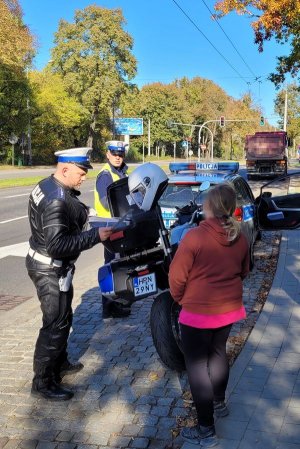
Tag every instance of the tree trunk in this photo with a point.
(91, 137)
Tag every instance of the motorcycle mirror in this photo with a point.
(267, 194)
(204, 186)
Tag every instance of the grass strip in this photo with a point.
(32, 180)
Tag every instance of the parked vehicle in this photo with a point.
(144, 248)
(185, 186)
(266, 154)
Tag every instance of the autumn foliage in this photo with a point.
(279, 19)
(16, 41)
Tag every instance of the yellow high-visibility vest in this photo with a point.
(100, 209)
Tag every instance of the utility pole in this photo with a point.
(285, 110)
(29, 135)
(149, 139)
(29, 125)
(113, 119)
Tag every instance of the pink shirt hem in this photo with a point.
(211, 321)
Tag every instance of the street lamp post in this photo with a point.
(170, 124)
(199, 136)
(13, 139)
(285, 109)
(149, 137)
(29, 125)
(29, 135)
(212, 144)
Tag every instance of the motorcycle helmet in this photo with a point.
(146, 184)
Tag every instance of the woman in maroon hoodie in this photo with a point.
(206, 280)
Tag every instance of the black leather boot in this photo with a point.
(69, 368)
(51, 391)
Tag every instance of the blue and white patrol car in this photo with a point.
(184, 187)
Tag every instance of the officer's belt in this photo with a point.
(44, 259)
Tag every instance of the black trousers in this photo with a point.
(51, 345)
(207, 367)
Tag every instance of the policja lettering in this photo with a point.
(37, 195)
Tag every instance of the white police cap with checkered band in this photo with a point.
(77, 156)
(117, 145)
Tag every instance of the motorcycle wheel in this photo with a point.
(166, 332)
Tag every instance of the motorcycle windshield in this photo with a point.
(138, 195)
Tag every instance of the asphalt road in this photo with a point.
(14, 234)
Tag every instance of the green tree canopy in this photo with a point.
(57, 119)
(16, 52)
(191, 101)
(93, 55)
(14, 94)
(16, 41)
(293, 103)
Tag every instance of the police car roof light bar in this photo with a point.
(176, 167)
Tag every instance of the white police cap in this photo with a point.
(117, 145)
(77, 156)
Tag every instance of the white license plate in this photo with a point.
(143, 285)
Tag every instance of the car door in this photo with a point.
(278, 205)
(245, 201)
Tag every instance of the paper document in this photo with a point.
(100, 222)
(117, 223)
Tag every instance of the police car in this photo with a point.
(188, 183)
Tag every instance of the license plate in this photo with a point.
(144, 285)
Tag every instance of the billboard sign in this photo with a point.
(128, 126)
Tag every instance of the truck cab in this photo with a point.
(266, 154)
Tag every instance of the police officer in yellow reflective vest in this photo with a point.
(114, 169)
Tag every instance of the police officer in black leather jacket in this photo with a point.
(58, 220)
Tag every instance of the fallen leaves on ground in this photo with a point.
(266, 263)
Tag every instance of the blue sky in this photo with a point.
(168, 46)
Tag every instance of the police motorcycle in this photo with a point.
(144, 250)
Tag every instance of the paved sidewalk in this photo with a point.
(264, 388)
(125, 398)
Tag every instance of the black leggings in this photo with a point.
(207, 367)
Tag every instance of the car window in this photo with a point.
(181, 195)
(242, 192)
(248, 190)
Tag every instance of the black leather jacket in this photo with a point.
(57, 219)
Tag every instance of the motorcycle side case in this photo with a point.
(117, 279)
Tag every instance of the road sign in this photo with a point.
(185, 144)
(128, 126)
(13, 139)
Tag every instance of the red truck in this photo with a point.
(266, 154)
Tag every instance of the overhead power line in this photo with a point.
(208, 40)
(229, 39)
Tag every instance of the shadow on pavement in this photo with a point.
(124, 396)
